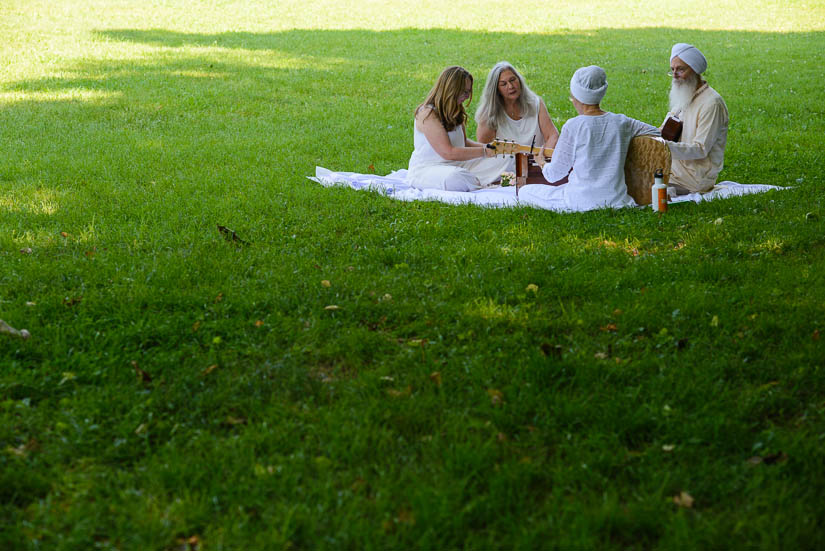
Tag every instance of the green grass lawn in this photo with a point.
(490, 379)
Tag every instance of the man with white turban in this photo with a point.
(591, 151)
(699, 153)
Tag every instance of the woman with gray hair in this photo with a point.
(509, 110)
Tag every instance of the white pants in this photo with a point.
(458, 175)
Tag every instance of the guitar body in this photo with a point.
(672, 129)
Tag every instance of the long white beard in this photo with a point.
(681, 93)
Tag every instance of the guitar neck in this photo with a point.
(510, 148)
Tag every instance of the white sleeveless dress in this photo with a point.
(428, 169)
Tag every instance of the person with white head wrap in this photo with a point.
(691, 55)
(699, 153)
(589, 85)
(588, 161)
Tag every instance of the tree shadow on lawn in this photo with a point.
(238, 114)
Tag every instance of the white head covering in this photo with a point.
(690, 55)
(589, 84)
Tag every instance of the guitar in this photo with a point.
(504, 147)
(672, 129)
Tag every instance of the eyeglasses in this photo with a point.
(677, 70)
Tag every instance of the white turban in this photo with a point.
(589, 84)
(690, 55)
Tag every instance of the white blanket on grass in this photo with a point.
(394, 185)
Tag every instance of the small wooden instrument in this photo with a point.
(672, 129)
(504, 147)
(527, 171)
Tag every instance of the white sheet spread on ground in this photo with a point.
(544, 197)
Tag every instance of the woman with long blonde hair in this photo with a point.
(444, 158)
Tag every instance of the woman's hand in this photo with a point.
(539, 158)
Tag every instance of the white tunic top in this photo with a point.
(595, 147)
(523, 130)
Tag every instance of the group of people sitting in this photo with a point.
(587, 163)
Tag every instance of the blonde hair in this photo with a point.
(443, 97)
(491, 107)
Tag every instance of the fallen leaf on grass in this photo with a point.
(405, 516)
(210, 369)
(72, 301)
(551, 349)
(142, 375)
(358, 485)
(609, 327)
(259, 323)
(496, 396)
(501, 437)
(325, 283)
(192, 543)
(7, 329)
(230, 235)
(219, 298)
(232, 421)
(684, 499)
(196, 326)
(64, 234)
(371, 168)
(600, 356)
(532, 288)
(23, 449)
(815, 335)
(435, 377)
(332, 307)
(775, 458)
(407, 391)
(617, 312)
